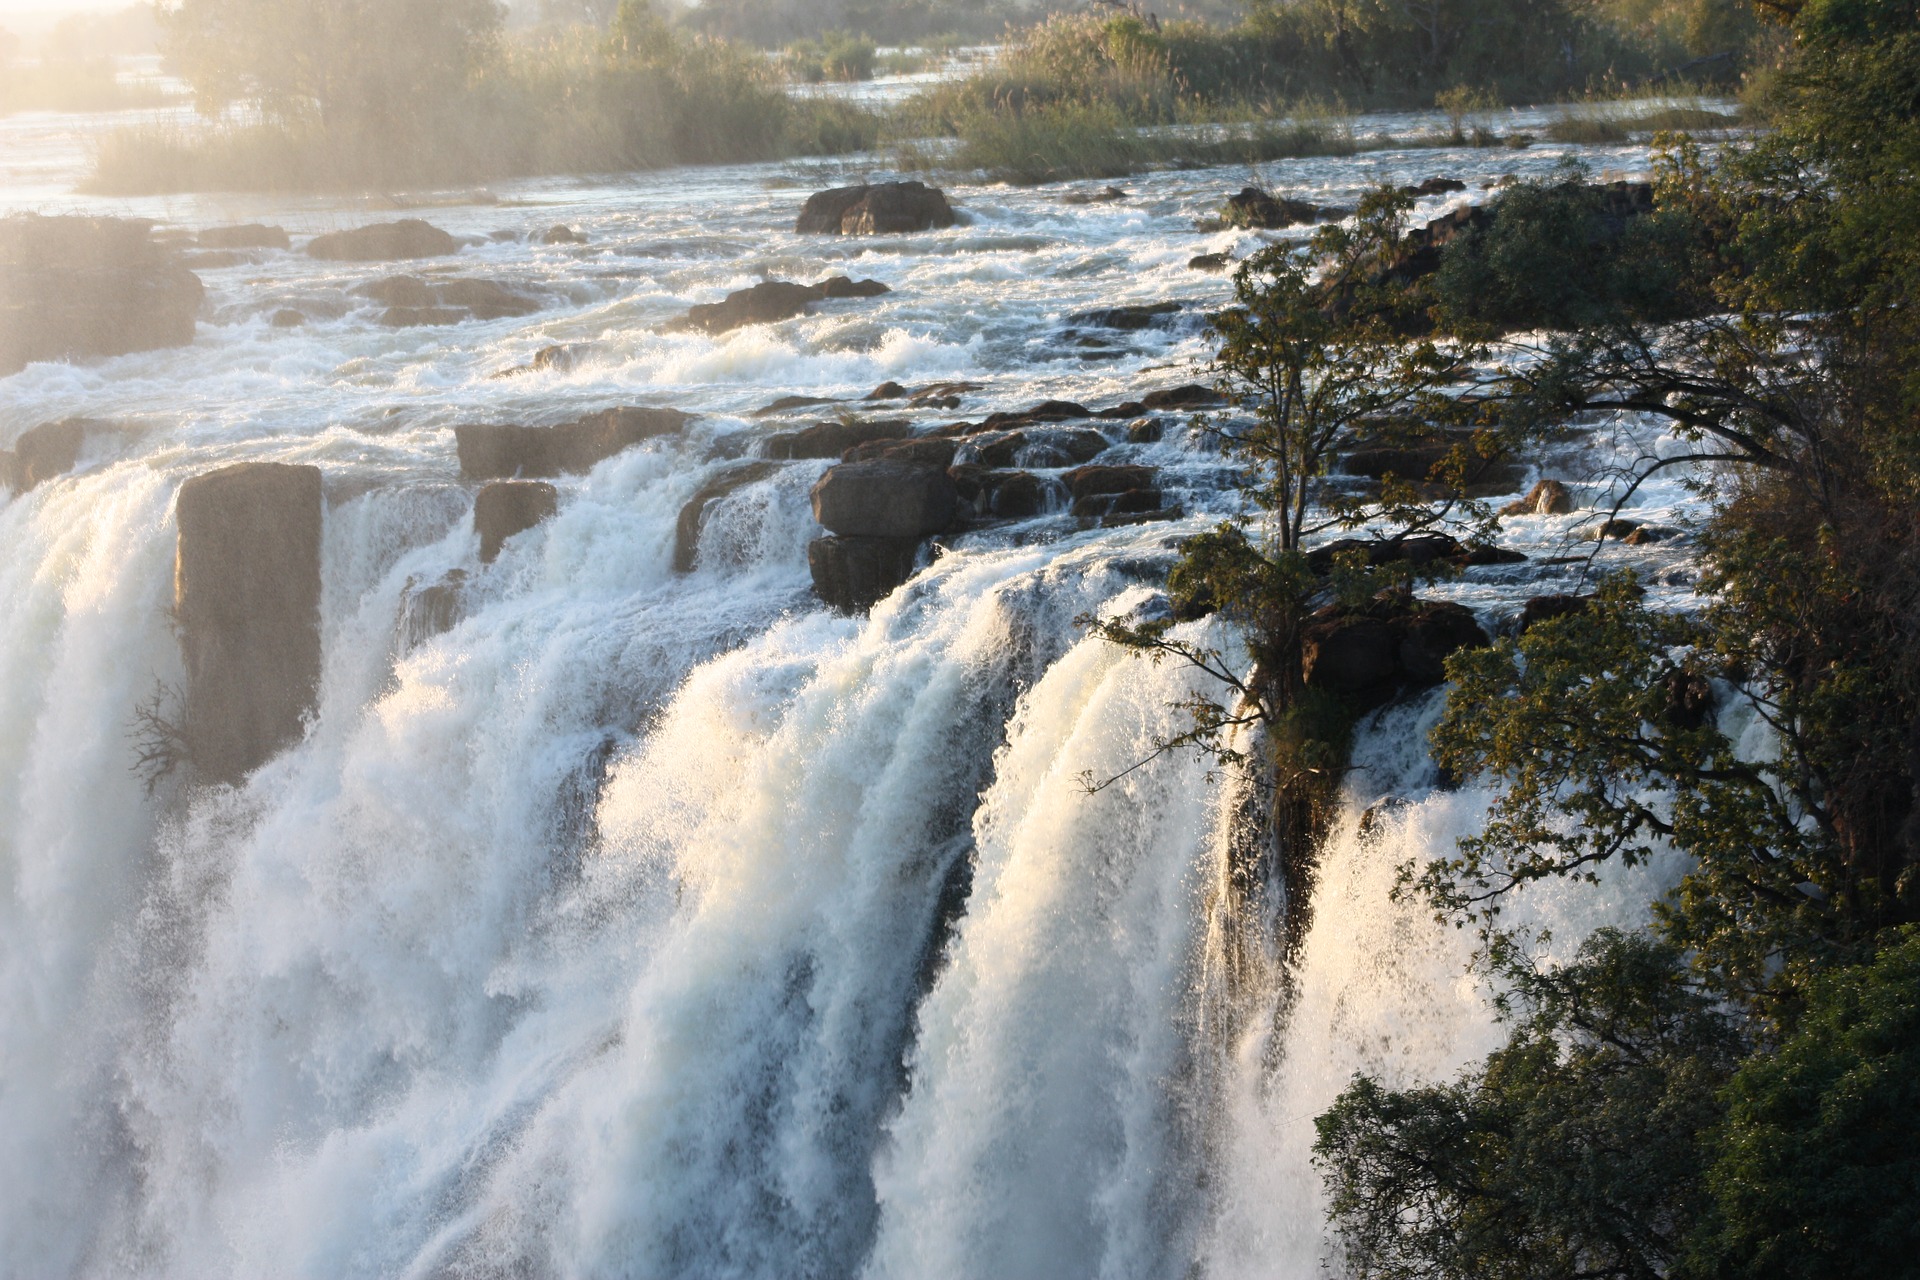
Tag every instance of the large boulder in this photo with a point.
(384, 242)
(772, 301)
(1546, 498)
(1257, 210)
(247, 605)
(410, 300)
(503, 451)
(831, 439)
(1395, 642)
(852, 574)
(48, 450)
(887, 208)
(885, 499)
(507, 507)
(73, 287)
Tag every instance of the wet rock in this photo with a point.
(73, 287)
(933, 452)
(1122, 412)
(1211, 261)
(503, 451)
(1045, 411)
(1417, 549)
(1256, 210)
(1392, 643)
(771, 301)
(1546, 498)
(885, 499)
(1129, 318)
(1617, 529)
(383, 242)
(942, 395)
(1106, 195)
(888, 208)
(1037, 447)
(1019, 495)
(1690, 698)
(693, 516)
(1482, 475)
(1540, 608)
(430, 609)
(507, 507)
(854, 573)
(247, 605)
(560, 358)
(888, 391)
(832, 439)
(787, 404)
(411, 300)
(1146, 431)
(1351, 655)
(1085, 482)
(562, 235)
(48, 450)
(1128, 502)
(250, 235)
(1191, 396)
(1648, 534)
(1429, 634)
(1434, 187)
(286, 318)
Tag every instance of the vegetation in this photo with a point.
(73, 67)
(837, 55)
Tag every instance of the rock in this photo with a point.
(888, 208)
(771, 301)
(1191, 396)
(1350, 655)
(1256, 210)
(1690, 698)
(562, 235)
(48, 450)
(1483, 475)
(1434, 187)
(486, 299)
(419, 317)
(933, 452)
(1417, 549)
(251, 235)
(885, 499)
(1045, 411)
(1122, 412)
(832, 439)
(1546, 498)
(1145, 431)
(430, 609)
(786, 404)
(1129, 502)
(1128, 318)
(1211, 261)
(1541, 608)
(1393, 642)
(853, 574)
(502, 451)
(1616, 528)
(247, 607)
(1479, 556)
(1428, 635)
(560, 358)
(1106, 195)
(1646, 535)
(507, 507)
(411, 300)
(384, 241)
(888, 391)
(1038, 447)
(1018, 495)
(1085, 482)
(73, 287)
(286, 318)
(693, 516)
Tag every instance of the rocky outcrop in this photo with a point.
(693, 516)
(48, 450)
(772, 301)
(1035, 447)
(429, 608)
(1007, 495)
(853, 574)
(1190, 396)
(1482, 475)
(885, 499)
(932, 452)
(1546, 498)
(831, 439)
(561, 234)
(1415, 549)
(1210, 261)
(503, 451)
(251, 235)
(887, 208)
(1256, 210)
(247, 605)
(1433, 187)
(1540, 608)
(507, 507)
(411, 300)
(1128, 318)
(74, 287)
(384, 242)
(1393, 643)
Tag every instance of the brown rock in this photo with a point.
(1541, 608)
(1191, 396)
(384, 241)
(73, 287)
(1546, 498)
(247, 604)
(502, 451)
(1084, 482)
(771, 301)
(832, 439)
(853, 574)
(562, 234)
(888, 208)
(693, 516)
(885, 499)
(507, 507)
(48, 450)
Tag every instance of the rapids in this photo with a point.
(656, 925)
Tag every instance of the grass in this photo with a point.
(1599, 122)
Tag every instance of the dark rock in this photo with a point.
(1038, 447)
(1256, 210)
(251, 235)
(1617, 528)
(486, 299)
(1211, 261)
(1394, 642)
(1434, 187)
(885, 499)
(888, 208)
(286, 318)
(1018, 495)
(1085, 482)
(1689, 698)
(1546, 498)
(1127, 318)
(686, 534)
(507, 507)
(430, 609)
(562, 235)
(771, 301)
(1491, 555)
(411, 300)
(1417, 549)
(1191, 396)
(1106, 195)
(888, 391)
(1432, 632)
(933, 452)
(942, 395)
(1145, 431)
(559, 358)
(247, 606)
(48, 450)
(502, 451)
(1646, 535)
(1122, 412)
(787, 404)
(1129, 502)
(832, 439)
(1541, 608)
(853, 574)
(1350, 655)
(384, 241)
(73, 287)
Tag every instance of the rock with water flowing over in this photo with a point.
(832, 439)
(507, 507)
(503, 451)
(1546, 498)
(772, 301)
(48, 450)
(854, 573)
(693, 515)
(411, 300)
(885, 499)
(71, 288)
(247, 605)
(887, 208)
(384, 242)
(1393, 642)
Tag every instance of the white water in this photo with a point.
(625, 929)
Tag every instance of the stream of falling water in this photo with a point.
(668, 925)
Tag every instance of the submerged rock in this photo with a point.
(772, 301)
(885, 499)
(503, 451)
(73, 287)
(887, 208)
(247, 606)
(507, 507)
(384, 241)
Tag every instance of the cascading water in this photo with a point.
(658, 924)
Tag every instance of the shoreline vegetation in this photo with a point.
(440, 95)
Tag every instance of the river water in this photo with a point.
(648, 924)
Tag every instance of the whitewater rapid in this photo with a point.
(649, 924)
